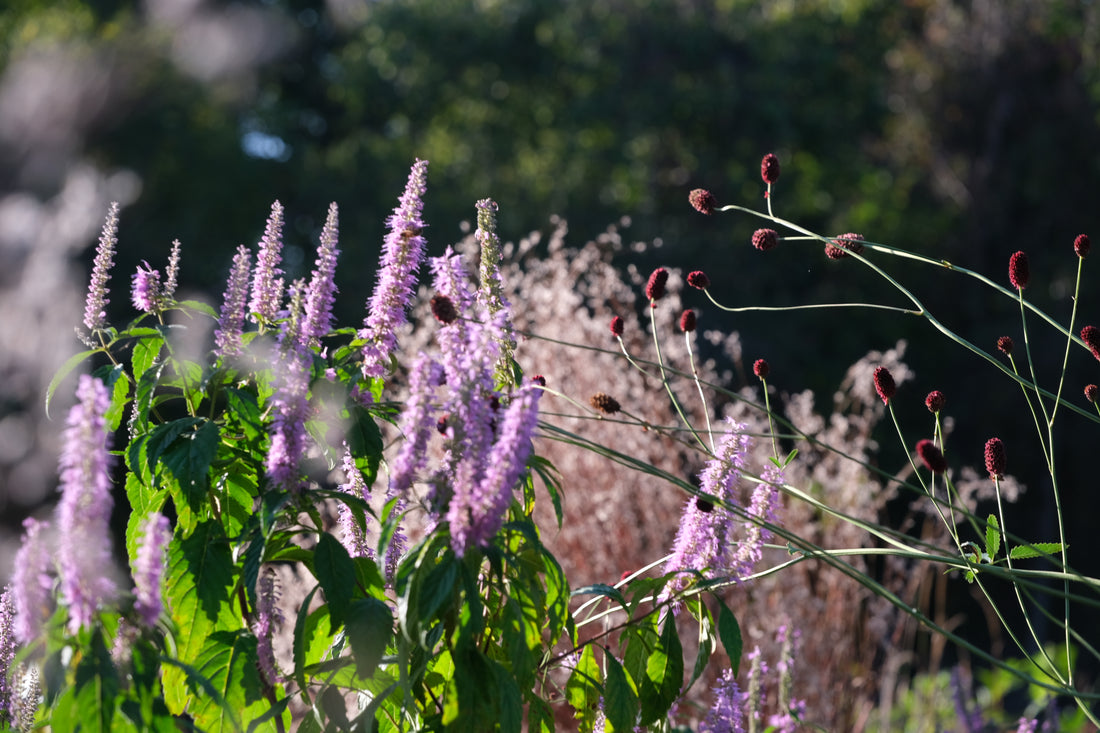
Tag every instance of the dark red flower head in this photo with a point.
(1004, 345)
(443, 308)
(1018, 271)
(765, 239)
(935, 401)
(687, 321)
(995, 457)
(1081, 245)
(605, 403)
(932, 456)
(1091, 336)
(884, 384)
(760, 368)
(698, 279)
(703, 505)
(1092, 393)
(539, 380)
(655, 288)
(703, 201)
(617, 325)
(769, 168)
(838, 249)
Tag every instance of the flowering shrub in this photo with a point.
(335, 528)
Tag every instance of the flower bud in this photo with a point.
(703, 201)
(698, 279)
(617, 326)
(884, 384)
(655, 288)
(934, 401)
(995, 457)
(443, 308)
(605, 403)
(687, 321)
(765, 239)
(1004, 345)
(769, 168)
(932, 456)
(838, 249)
(761, 368)
(1018, 271)
(1081, 245)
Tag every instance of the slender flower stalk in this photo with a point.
(84, 514)
(227, 339)
(148, 568)
(31, 583)
(402, 253)
(95, 307)
(267, 281)
(322, 287)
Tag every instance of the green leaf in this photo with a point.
(143, 501)
(242, 406)
(230, 661)
(145, 353)
(708, 642)
(540, 716)
(583, 688)
(199, 306)
(334, 570)
(664, 674)
(1035, 549)
(601, 589)
(369, 626)
(188, 458)
(510, 716)
(71, 363)
(118, 381)
(96, 687)
(620, 700)
(364, 441)
(729, 631)
(992, 537)
(144, 395)
(197, 585)
(305, 630)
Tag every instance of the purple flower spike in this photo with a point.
(322, 287)
(290, 403)
(727, 711)
(172, 271)
(31, 583)
(705, 540)
(148, 568)
(402, 254)
(765, 499)
(267, 620)
(418, 422)
(267, 281)
(146, 290)
(84, 514)
(8, 693)
(227, 338)
(352, 536)
(476, 516)
(95, 307)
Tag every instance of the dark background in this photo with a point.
(961, 131)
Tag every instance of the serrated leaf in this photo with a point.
(118, 382)
(583, 688)
(365, 443)
(1035, 549)
(188, 458)
(143, 501)
(510, 701)
(729, 631)
(197, 585)
(664, 674)
(620, 701)
(369, 626)
(334, 570)
(230, 661)
(96, 687)
(145, 353)
(992, 537)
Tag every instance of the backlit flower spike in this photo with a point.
(8, 644)
(227, 338)
(321, 293)
(352, 536)
(765, 499)
(146, 290)
(402, 253)
(492, 288)
(172, 271)
(266, 621)
(84, 513)
(417, 422)
(30, 581)
(706, 539)
(95, 307)
(475, 516)
(290, 403)
(267, 280)
(727, 709)
(148, 568)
